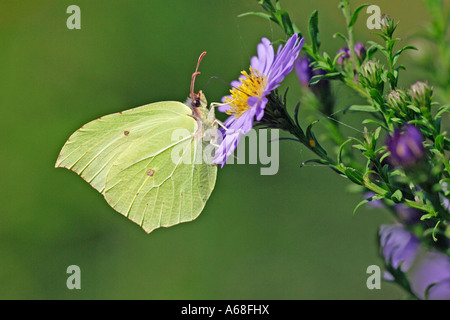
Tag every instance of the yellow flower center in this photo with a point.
(251, 86)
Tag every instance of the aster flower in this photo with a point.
(430, 276)
(248, 97)
(399, 246)
(406, 146)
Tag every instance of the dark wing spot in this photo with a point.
(150, 172)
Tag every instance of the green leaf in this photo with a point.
(361, 108)
(341, 148)
(376, 122)
(376, 45)
(314, 31)
(312, 141)
(354, 176)
(413, 108)
(319, 161)
(447, 144)
(439, 142)
(397, 196)
(340, 35)
(441, 110)
(258, 14)
(363, 202)
(399, 52)
(337, 57)
(267, 5)
(355, 15)
(286, 22)
(427, 290)
(370, 52)
(360, 147)
(435, 229)
(376, 135)
(334, 75)
(359, 205)
(277, 4)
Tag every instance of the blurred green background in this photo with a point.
(287, 236)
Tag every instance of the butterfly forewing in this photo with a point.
(147, 163)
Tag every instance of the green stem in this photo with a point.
(351, 45)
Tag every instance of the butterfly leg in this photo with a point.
(220, 123)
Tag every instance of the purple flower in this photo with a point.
(407, 215)
(431, 273)
(404, 214)
(406, 146)
(345, 56)
(360, 51)
(248, 95)
(399, 246)
(304, 71)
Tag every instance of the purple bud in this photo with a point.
(304, 71)
(431, 275)
(397, 100)
(387, 25)
(371, 75)
(360, 51)
(343, 57)
(406, 146)
(421, 94)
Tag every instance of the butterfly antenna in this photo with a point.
(195, 74)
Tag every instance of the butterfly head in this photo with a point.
(196, 100)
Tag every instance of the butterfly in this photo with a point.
(151, 163)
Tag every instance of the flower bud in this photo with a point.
(345, 56)
(358, 48)
(397, 100)
(360, 51)
(371, 75)
(406, 146)
(305, 72)
(387, 25)
(421, 94)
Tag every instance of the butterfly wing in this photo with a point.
(133, 159)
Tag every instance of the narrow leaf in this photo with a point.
(314, 31)
(355, 15)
